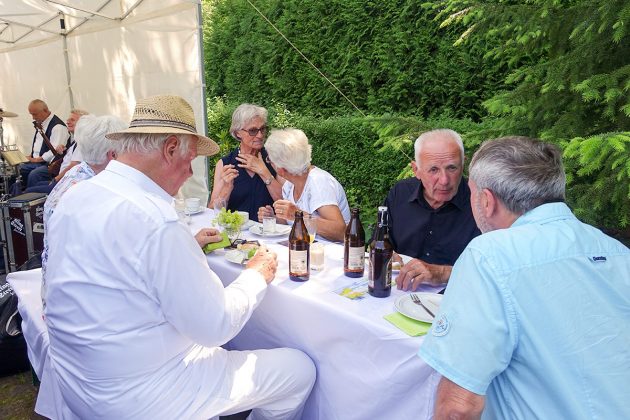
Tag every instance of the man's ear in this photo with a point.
(414, 167)
(170, 147)
(489, 203)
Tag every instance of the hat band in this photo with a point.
(162, 123)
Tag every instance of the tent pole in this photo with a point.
(64, 37)
(203, 83)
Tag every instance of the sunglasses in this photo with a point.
(254, 131)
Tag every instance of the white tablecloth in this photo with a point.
(366, 367)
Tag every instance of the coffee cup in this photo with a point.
(193, 205)
(244, 215)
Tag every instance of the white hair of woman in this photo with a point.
(90, 134)
(289, 149)
(243, 114)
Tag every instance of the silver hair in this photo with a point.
(289, 149)
(150, 142)
(521, 172)
(243, 114)
(90, 136)
(79, 111)
(443, 133)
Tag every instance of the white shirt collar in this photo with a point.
(138, 178)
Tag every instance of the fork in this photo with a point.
(415, 299)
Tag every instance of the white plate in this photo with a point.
(405, 306)
(190, 213)
(247, 225)
(236, 256)
(257, 229)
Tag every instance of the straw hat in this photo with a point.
(166, 114)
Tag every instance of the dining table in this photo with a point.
(367, 368)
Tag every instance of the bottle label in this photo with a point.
(356, 257)
(298, 262)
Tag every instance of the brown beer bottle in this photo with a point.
(299, 250)
(381, 252)
(354, 247)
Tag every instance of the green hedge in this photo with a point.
(385, 56)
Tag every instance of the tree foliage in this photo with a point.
(569, 83)
(570, 61)
(385, 56)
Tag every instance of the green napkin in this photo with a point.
(216, 245)
(409, 326)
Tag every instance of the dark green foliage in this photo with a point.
(570, 84)
(598, 169)
(385, 56)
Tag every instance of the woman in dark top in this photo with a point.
(244, 178)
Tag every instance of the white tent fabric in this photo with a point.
(111, 53)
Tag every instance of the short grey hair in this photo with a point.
(79, 111)
(289, 149)
(150, 142)
(442, 133)
(90, 136)
(521, 172)
(243, 114)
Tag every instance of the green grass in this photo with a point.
(17, 397)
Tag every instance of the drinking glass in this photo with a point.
(180, 208)
(311, 225)
(317, 256)
(219, 203)
(269, 224)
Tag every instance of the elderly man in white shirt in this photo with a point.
(56, 131)
(134, 313)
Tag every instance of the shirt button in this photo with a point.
(428, 254)
(430, 232)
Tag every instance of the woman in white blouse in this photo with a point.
(307, 187)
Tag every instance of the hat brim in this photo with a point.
(205, 145)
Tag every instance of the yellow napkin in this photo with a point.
(216, 245)
(407, 325)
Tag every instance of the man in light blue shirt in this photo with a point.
(536, 319)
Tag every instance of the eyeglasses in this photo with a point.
(254, 131)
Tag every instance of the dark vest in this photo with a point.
(250, 192)
(53, 122)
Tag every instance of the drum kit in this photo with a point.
(10, 157)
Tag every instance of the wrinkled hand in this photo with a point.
(253, 163)
(417, 271)
(265, 262)
(285, 209)
(264, 211)
(60, 148)
(229, 174)
(207, 236)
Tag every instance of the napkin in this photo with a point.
(216, 245)
(407, 325)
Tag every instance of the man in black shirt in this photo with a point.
(430, 215)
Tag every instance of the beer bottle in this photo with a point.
(380, 261)
(354, 247)
(299, 247)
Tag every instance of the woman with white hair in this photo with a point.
(96, 151)
(244, 179)
(307, 187)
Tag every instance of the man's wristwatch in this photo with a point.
(268, 180)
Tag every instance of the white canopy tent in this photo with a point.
(101, 56)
